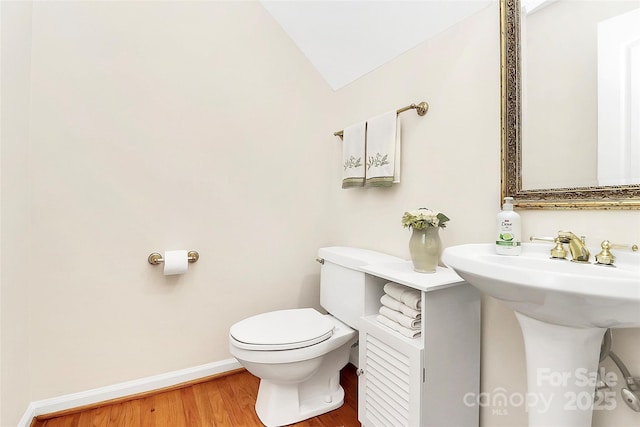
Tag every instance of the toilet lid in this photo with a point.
(282, 330)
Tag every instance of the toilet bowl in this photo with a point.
(298, 355)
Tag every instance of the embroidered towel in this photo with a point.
(396, 305)
(353, 146)
(409, 333)
(408, 296)
(400, 318)
(383, 150)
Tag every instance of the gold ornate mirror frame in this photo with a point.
(618, 197)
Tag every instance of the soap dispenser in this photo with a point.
(509, 234)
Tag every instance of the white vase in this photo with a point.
(425, 248)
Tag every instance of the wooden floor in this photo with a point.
(223, 401)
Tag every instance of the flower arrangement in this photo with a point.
(422, 218)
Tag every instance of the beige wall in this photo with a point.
(15, 371)
(200, 126)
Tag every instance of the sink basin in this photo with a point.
(551, 290)
(563, 308)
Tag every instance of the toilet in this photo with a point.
(298, 353)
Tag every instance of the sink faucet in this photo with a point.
(579, 252)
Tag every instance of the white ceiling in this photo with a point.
(345, 40)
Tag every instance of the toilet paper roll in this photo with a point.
(175, 262)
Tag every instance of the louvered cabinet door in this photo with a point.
(391, 377)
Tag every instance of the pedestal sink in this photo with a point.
(564, 309)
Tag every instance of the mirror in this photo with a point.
(553, 133)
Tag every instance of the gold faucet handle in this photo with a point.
(605, 256)
(542, 239)
(558, 250)
(632, 247)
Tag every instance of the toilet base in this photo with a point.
(279, 405)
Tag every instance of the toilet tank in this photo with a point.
(346, 292)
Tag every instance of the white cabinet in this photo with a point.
(420, 382)
(390, 384)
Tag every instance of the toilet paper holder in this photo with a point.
(156, 258)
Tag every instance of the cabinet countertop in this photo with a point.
(402, 272)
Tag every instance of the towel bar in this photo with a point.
(155, 258)
(421, 110)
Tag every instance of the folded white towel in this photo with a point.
(396, 316)
(353, 155)
(408, 296)
(396, 305)
(383, 150)
(410, 333)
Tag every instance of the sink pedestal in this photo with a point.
(561, 372)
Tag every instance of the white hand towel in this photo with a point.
(408, 296)
(409, 333)
(396, 305)
(400, 318)
(353, 155)
(383, 150)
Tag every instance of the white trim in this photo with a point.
(128, 388)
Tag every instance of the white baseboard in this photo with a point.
(128, 388)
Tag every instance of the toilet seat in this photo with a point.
(282, 330)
